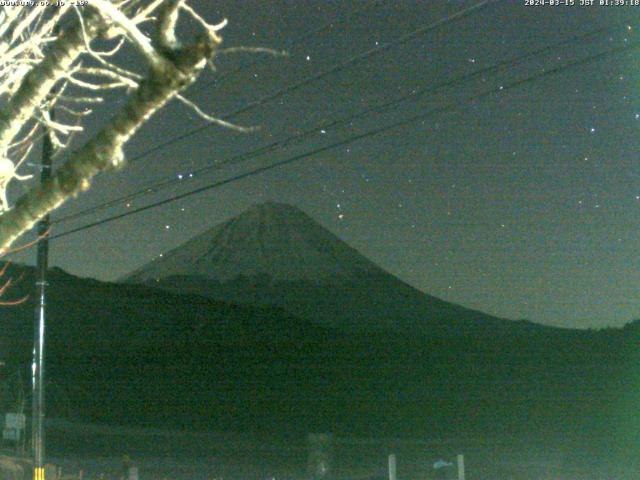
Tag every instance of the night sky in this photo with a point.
(523, 204)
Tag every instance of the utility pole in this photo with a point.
(37, 367)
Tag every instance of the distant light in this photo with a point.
(308, 58)
(179, 176)
(167, 227)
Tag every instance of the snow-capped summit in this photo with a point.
(275, 254)
(274, 239)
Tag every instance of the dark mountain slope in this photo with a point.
(130, 354)
(88, 315)
(275, 254)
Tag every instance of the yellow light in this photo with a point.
(38, 473)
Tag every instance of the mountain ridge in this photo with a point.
(292, 243)
(138, 355)
(274, 253)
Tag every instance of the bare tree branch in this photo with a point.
(104, 151)
(37, 84)
(43, 66)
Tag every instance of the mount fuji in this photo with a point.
(275, 254)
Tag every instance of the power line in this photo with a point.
(369, 133)
(381, 108)
(367, 54)
(459, 15)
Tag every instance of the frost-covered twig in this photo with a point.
(212, 119)
(173, 68)
(65, 70)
